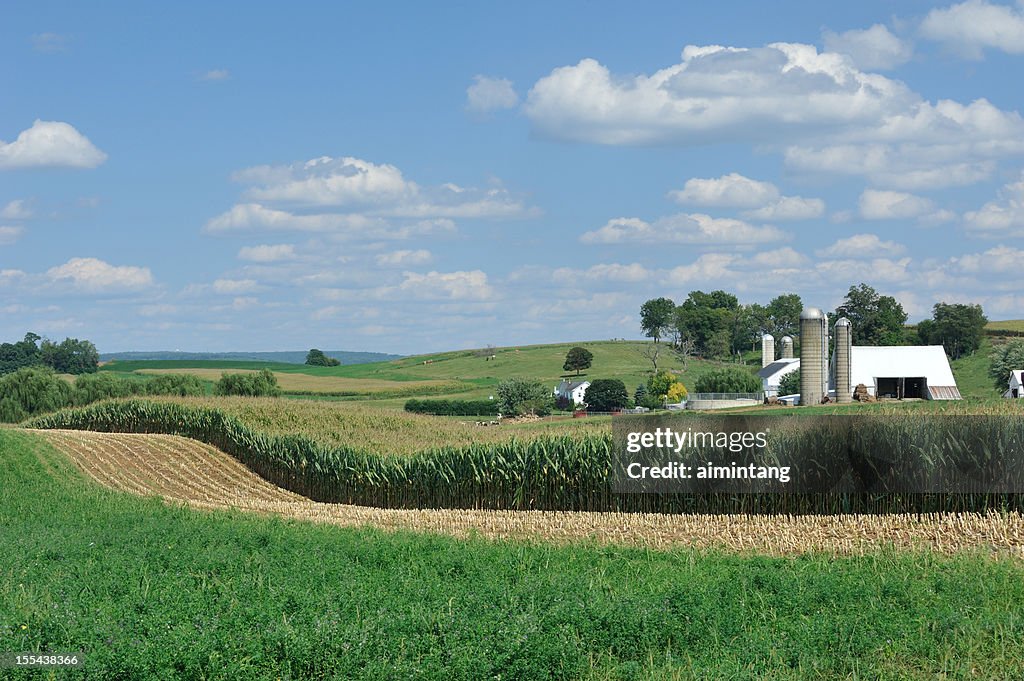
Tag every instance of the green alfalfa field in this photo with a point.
(147, 590)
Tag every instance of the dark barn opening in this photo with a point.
(902, 387)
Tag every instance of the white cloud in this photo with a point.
(888, 205)
(234, 286)
(881, 269)
(998, 259)
(16, 210)
(216, 75)
(780, 258)
(729, 191)
(327, 181)
(713, 266)
(870, 48)
(615, 272)
(1004, 216)
(861, 246)
(254, 216)
(50, 143)
(788, 208)
(454, 285)
(9, 234)
(94, 275)
(404, 258)
(490, 94)
(972, 26)
(693, 228)
(267, 253)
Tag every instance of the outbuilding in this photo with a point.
(1016, 388)
(903, 371)
(772, 374)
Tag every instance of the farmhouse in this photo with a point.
(1016, 387)
(573, 390)
(772, 374)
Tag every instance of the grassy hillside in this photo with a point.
(147, 590)
(1007, 325)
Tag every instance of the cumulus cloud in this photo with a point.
(404, 258)
(95, 276)
(693, 228)
(50, 144)
(490, 94)
(254, 216)
(9, 234)
(878, 204)
(972, 26)
(788, 208)
(780, 258)
(632, 273)
(835, 117)
(713, 266)
(234, 286)
(470, 285)
(327, 181)
(16, 210)
(1004, 216)
(861, 246)
(267, 253)
(871, 48)
(998, 259)
(729, 191)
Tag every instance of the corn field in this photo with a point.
(573, 473)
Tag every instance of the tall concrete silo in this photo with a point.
(844, 342)
(767, 349)
(787, 347)
(813, 356)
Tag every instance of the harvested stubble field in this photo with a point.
(189, 472)
(305, 383)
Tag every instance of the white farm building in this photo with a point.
(899, 371)
(574, 390)
(772, 374)
(1016, 387)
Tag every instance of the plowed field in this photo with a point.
(186, 471)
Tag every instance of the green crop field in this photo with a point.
(147, 590)
(1007, 325)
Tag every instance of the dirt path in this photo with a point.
(190, 472)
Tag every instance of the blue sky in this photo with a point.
(409, 178)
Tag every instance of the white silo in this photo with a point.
(767, 349)
(844, 343)
(787, 347)
(813, 356)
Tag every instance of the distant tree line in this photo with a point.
(70, 356)
(445, 407)
(317, 358)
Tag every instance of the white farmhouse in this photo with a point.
(1016, 388)
(772, 374)
(573, 390)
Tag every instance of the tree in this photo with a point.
(790, 383)
(32, 390)
(705, 318)
(656, 317)
(728, 380)
(877, 320)
(606, 394)
(70, 356)
(749, 322)
(260, 384)
(518, 396)
(784, 315)
(1005, 358)
(676, 393)
(317, 358)
(958, 328)
(652, 351)
(640, 395)
(578, 358)
(24, 353)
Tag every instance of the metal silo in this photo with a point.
(844, 341)
(813, 356)
(767, 349)
(787, 347)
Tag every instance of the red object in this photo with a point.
(579, 414)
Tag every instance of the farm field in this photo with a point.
(307, 383)
(148, 589)
(1007, 325)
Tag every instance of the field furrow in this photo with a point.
(194, 473)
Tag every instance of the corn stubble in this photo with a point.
(185, 471)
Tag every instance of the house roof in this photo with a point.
(1017, 374)
(908, 361)
(781, 366)
(569, 386)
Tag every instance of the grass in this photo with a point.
(152, 591)
(295, 382)
(1007, 325)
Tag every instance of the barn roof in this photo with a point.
(908, 361)
(776, 367)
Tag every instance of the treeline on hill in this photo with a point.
(70, 356)
(716, 325)
(453, 407)
(573, 473)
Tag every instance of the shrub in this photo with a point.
(728, 380)
(606, 394)
(453, 407)
(518, 396)
(260, 384)
(1005, 358)
(30, 391)
(790, 383)
(677, 392)
(182, 385)
(94, 387)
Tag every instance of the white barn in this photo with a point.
(574, 390)
(1016, 387)
(772, 374)
(899, 371)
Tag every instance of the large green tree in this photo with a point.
(784, 315)
(70, 356)
(317, 358)
(1005, 358)
(656, 317)
(876, 319)
(728, 380)
(24, 353)
(705, 319)
(518, 396)
(577, 359)
(606, 394)
(956, 327)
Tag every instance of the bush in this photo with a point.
(728, 380)
(94, 387)
(31, 391)
(453, 407)
(518, 396)
(790, 383)
(261, 384)
(1005, 358)
(182, 385)
(317, 358)
(606, 394)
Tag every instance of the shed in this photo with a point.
(772, 374)
(911, 371)
(1016, 387)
